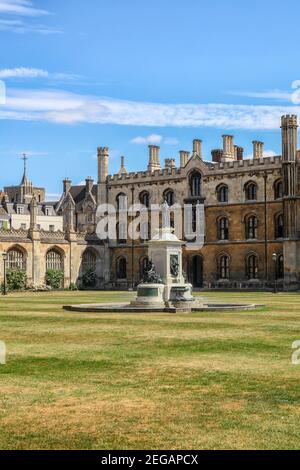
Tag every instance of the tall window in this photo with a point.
(195, 184)
(280, 268)
(251, 191)
(122, 233)
(252, 267)
(223, 192)
(122, 268)
(223, 229)
(89, 261)
(121, 202)
(278, 189)
(169, 197)
(224, 267)
(252, 228)
(145, 231)
(16, 260)
(279, 227)
(145, 199)
(54, 261)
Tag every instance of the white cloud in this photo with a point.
(150, 139)
(155, 139)
(278, 95)
(21, 8)
(69, 108)
(18, 16)
(24, 72)
(267, 153)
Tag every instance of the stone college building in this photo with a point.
(251, 209)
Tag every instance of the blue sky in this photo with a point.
(125, 73)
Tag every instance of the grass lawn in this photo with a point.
(95, 381)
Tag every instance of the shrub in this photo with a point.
(73, 287)
(89, 279)
(16, 280)
(54, 278)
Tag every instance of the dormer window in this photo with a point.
(20, 210)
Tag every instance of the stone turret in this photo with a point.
(103, 163)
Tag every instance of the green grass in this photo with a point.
(125, 381)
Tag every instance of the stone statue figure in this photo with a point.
(174, 266)
(150, 275)
(165, 215)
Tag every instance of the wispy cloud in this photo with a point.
(32, 73)
(69, 108)
(150, 139)
(19, 16)
(154, 139)
(21, 8)
(278, 95)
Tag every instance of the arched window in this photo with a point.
(252, 267)
(195, 184)
(252, 228)
(278, 190)
(222, 193)
(16, 260)
(121, 202)
(145, 198)
(223, 228)
(169, 197)
(122, 268)
(89, 261)
(54, 261)
(223, 267)
(279, 227)
(251, 191)
(280, 267)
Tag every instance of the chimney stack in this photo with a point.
(197, 147)
(238, 153)
(154, 158)
(170, 163)
(258, 149)
(228, 148)
(217, 155)
(67, 185)
(89, 183)
(184, 158)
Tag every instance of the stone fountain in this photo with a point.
(163, 287)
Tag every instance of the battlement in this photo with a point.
(256, 163)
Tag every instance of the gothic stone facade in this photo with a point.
(251, 212)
